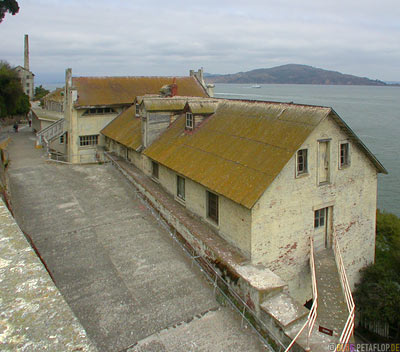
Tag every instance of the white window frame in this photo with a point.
(320, 218)
(348, 161)
(88, 141)
(189, 121)
(300, 173)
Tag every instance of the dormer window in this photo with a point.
(189, 121)
(137, 110)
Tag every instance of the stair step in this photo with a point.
(284, 309)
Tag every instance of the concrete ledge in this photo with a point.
(284, 309)
(199, 235)
(34, 315)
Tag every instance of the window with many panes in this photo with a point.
(212, 206)
(302, 163)
(189, 121)
(99, 111)
(154, 169)
(319, 218)
(62, 139)
(92, 140)
(137, 109)
(344, 157)
(180, 187)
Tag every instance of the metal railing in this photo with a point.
(312, 316)
(349, 326)
(50, 132)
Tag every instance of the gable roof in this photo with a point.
(108, 91)
(55, 95)
(125, 129)
(240, 149)
(23, 68)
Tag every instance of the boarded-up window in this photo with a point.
(212, 206)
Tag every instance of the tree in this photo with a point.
(10, 6)
(40, 92)
(377, 295)
(12, 98)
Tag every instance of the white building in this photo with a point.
(266, 176)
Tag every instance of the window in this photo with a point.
(85, 141)
(319, 218)
(189, 121)
(27, 77)
(344, 159)
(154, 169)
(137, 109)
(180, 187)
(62, 139)
(99, 111)
(27, 84)
(302, 165)
(212, 206)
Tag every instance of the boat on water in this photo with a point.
(256, 86)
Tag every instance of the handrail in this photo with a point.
(44, 130)
(349, 326)
(312, 316)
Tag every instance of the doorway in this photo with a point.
(322, 228)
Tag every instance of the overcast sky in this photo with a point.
(136, 37)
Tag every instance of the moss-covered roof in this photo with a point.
(240, 149)
(99, 91)
(125, 129)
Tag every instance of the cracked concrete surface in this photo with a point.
(124, 278)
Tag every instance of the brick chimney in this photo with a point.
(174, 88)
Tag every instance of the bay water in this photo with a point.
(373, 113)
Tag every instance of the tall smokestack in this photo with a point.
(26, 53)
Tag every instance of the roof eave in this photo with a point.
(343, 125)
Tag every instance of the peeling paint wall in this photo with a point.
(234, 220)
(283, 218)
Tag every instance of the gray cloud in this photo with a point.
(160, 38)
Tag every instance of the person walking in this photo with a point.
(15, 127)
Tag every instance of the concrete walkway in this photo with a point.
(332, 310)
(128, 283)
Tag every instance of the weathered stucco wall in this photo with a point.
(234, 220)
(134, 157)
(86, 125)
(283, 218)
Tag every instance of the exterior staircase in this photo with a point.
(46, 135)
(332, 311)
(331, 318)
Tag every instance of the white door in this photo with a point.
(322, 228)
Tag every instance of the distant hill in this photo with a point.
(292, 74)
